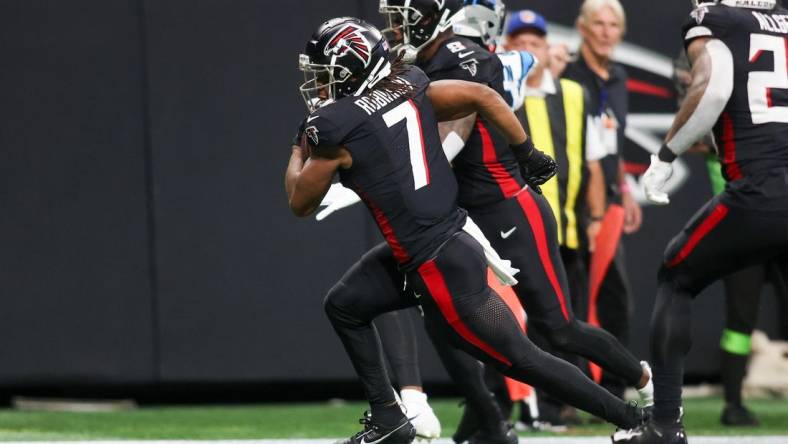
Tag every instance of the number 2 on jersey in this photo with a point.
(761, 83)
(418, 156)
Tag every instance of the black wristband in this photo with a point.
(666, 155)
(596, 218)
(523, 151)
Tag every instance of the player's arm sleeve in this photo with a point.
(707, 96)
(516, 65)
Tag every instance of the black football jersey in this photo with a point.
(752, 131)
(486, 169)
(399, 169)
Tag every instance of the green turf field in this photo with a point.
(303, 421)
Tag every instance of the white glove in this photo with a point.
(654, 180)
(414, 405)
(336, 198)
(502, 268)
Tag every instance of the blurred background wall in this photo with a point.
(145, 236)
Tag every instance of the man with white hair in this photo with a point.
(601, 24)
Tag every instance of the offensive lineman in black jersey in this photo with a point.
(517, 220)
(737, 49)
(375, 124)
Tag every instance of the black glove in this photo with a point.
(536, 167)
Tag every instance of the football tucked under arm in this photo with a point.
(308, 178)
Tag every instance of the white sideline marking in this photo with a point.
(523, 440)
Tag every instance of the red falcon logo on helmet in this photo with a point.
(349, 40)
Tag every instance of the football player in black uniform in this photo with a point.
(517, 219)
(375, 124)
(739, 89)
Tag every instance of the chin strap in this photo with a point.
(752, 4)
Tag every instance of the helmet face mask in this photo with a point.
(414, 24)
(320, 82)
(398, 32)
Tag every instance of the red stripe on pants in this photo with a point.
(715, 217)
(436, 285)
(534, 216)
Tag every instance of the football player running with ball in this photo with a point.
(374, 123)
(739, 89)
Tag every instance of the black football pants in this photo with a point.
(745, 225)
(523, 230)
(398, 336)
(453, 291)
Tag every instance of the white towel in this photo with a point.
(501, 267)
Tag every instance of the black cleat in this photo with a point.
(736, 415)
(468, 426)
(652, 433)
(373, 433)
(505, 434)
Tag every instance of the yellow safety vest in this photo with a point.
(556, 123)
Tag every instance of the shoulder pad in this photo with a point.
(707, 20)
(462, 59)
(328, 126)
(416, 77)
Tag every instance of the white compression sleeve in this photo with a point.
(713, 101)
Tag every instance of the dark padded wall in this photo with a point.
(74, 270)
(240, 279)
(144, 229)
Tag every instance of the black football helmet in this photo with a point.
(344, 57)
(413, 24)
